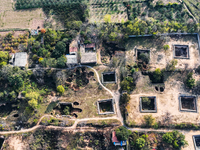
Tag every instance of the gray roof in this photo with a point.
(71, 59)
(20, 59)
(88, 58)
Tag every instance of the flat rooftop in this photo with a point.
(71, 59)
(20, 59)
(88, 58)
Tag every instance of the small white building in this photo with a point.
(20, 59)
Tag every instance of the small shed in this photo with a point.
(20, 59)
(34, 32)
(71, 59)
(116, 142)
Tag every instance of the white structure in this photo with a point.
(20, 59)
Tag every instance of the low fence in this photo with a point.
(163, 34)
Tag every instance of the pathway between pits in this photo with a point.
(116, 97)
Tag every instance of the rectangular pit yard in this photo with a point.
(105, 107)
(109, 77)
(196, 140)
(188, 103)
(181, 52)
(148, 104)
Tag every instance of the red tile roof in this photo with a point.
(73, 49)
(92, 45)
(114, 137)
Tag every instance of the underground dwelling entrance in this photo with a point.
(1, 142)
(105, 107)
(148, 104)
(188, 103)
(196, 140)
(181, 51)
(109, 77)
(143, 58)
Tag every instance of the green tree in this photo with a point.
(4, 57)
(59, 49)
(107, 18)
(157, 76)
(32, 95)
(122, 133)
(61, 62)
(190, 82)
(60, 89)
(146, 100)
(16, 81)
(42, 52)
(140, 142)
(127, 84)
(66, 110)
(33, 103)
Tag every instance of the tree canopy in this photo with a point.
(122, 133)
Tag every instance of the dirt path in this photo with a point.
(188, 11)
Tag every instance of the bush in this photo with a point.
(66, 110)
(60, 89)
(140, 142)
(166, 47)
(190, 82)
(174, 138)
(59, 49)
(171, 65)
(50, 107)
(144, 57)
(146, 100)
(122, 133)
(157, 76)
(149, 120)
(127, 84)
(33, 103)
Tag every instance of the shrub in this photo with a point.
(144, 57)
(127, 84)
(166, 47)
(33, 103)
(66, 110)
(107, 18)
(168, 138)
(149, 120)
(60, 89)
(190, 82)
(122, 133)
(146, 100)
(140, 142)
(174, 138)
(157, 76)
(171, 65)
(35, 57)
(50, 107)
(155, 126)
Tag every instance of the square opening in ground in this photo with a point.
(109, 77)
(181, 51)
(196, 140)
(105, 106)
(148, 104)
(188, 103)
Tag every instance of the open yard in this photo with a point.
(167, 101)
(86, 97)
(159, 58)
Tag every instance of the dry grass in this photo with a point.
(10, 18)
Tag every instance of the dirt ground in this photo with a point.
(87, 97)
(159, 58)
(10, 18)
(167, 101)
(15, 143)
